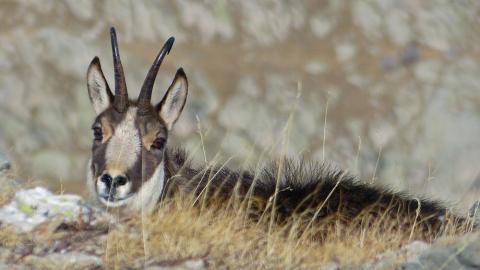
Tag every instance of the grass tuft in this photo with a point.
(223, 237)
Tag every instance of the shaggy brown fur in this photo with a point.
(310, 192)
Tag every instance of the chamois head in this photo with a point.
(129, 137)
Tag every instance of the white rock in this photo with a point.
(345, 51)
(398, 27)
(83, 10)
(414, 248)
(321, 25)
(70, 260)
(367, 17)
(428, 71)
(315, 67)
(32, 207)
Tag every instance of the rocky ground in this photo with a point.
(42, 230)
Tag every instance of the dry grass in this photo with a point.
(5, 197)
(7, 191)
(226, 238)
(8, 237)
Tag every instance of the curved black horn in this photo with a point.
(146, 91)
(121, 95)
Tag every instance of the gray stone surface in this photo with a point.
(464, 253)
(192, 264)
(35, 206)
(470, 255)
(390, 259)
(69, 260)
(461, 253)
(440, 258)
(411, 266)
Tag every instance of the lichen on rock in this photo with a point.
(32, 207)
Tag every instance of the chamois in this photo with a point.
(132, 166)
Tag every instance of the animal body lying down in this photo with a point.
(133, 168)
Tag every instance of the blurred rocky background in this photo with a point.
(387, 89)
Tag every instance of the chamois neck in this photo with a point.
(177, 171)
(174, 160)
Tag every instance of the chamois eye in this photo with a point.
(158, 143)
(97, 134)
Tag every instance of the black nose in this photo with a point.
(120, 180)
(107, 179)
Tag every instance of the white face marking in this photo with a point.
(124, 145)
(121, 192)
(115, 203)
(101, 188)
(90, 182)
(147, 197)
(121, 154)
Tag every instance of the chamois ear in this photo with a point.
(98, 90)
(172, 104)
